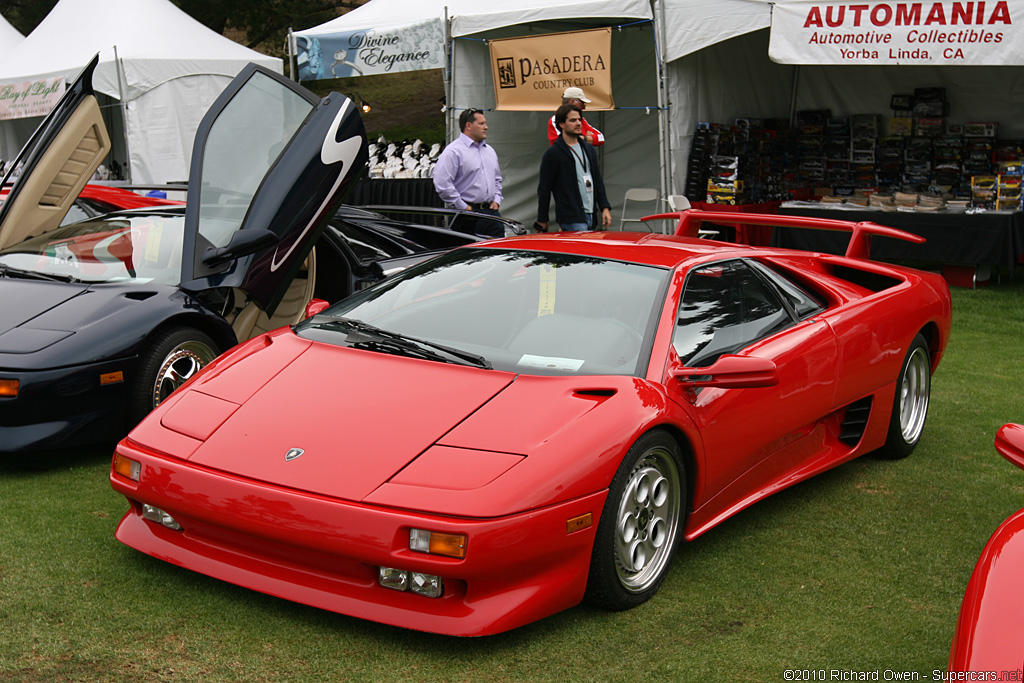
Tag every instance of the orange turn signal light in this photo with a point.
(579, 523)
(437, 543)
(9, 387)
(127, 467)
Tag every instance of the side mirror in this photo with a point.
(243, 243)
(1010, 443)
(315, 306)
(731, 372)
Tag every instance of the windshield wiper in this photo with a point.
(11, 271)
(370, 335)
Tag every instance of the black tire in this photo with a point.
(910, 406)
(172, 356)
(640, 526)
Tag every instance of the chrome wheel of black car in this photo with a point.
(910, 407)
(640, 524)
(171, 359)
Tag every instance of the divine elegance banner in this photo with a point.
(531, 72)
(976, 33)
(30, 98)
(370, 51)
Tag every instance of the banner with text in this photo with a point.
(370, 51)
(531, 73)
(30, 98)
(973, 33)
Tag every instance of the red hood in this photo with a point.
(358, 416)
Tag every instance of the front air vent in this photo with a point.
(139, 296)
(855, 421)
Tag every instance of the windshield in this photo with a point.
(521, 311)
(111, 249)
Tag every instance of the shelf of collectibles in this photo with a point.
(914, 162)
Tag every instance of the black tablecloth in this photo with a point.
(394, 192)
(993, 237)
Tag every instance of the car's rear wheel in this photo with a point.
(910, 407)
(640, 525)
(171, 359)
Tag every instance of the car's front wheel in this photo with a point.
(640, 525)
(171, 359)
(910, 407)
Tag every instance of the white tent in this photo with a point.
(10, 37)
(631, 156)
(162, 66)
(713, 66)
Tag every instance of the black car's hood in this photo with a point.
(48, 325)
(24, 300)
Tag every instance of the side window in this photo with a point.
(724, 308)
(803, 303)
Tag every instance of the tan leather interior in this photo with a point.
(252, 321)
(60, 176)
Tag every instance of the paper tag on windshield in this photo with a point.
(550, 363)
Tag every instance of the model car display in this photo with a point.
(102, 319)
(493, 435)
(989, 630)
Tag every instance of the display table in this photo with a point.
(756, 235)
(990, 238)
(394, 192)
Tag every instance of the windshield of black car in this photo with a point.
(523, 311)
(137, 248)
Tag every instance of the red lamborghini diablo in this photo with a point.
(498, 433)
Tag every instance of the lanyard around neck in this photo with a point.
(582, 156)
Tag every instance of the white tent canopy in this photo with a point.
(520, 138)
(10, 37)
(713, 66)
(162, 65)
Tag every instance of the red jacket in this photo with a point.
(554, 132)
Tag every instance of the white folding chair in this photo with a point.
(635, 195)
(678, 202)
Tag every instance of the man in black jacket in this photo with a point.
(568, 170)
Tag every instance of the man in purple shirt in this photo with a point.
(467, 176)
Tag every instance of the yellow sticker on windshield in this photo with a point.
(153, 235)
(546, 304)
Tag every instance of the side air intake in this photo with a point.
(855, 421)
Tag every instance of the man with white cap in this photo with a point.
(590, 134)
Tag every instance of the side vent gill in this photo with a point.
(855, 421)
(602, 393)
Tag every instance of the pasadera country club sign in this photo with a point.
(531, 73)
(913, 33)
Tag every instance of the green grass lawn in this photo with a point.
(861, 568)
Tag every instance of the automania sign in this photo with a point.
(981, 32)
(531, 72)
(30, 98)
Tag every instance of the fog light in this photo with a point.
(427, 585)
(9, 387)
(155, 514)
(127, 467)
(397, 579)
(435, 543)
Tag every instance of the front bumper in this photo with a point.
(325, 552)
(54, 407)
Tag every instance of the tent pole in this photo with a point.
(664, 118)
(290, 50)
(449, 78)
(792, 96)
(124, 115)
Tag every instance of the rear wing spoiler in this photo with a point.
(860, 239)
